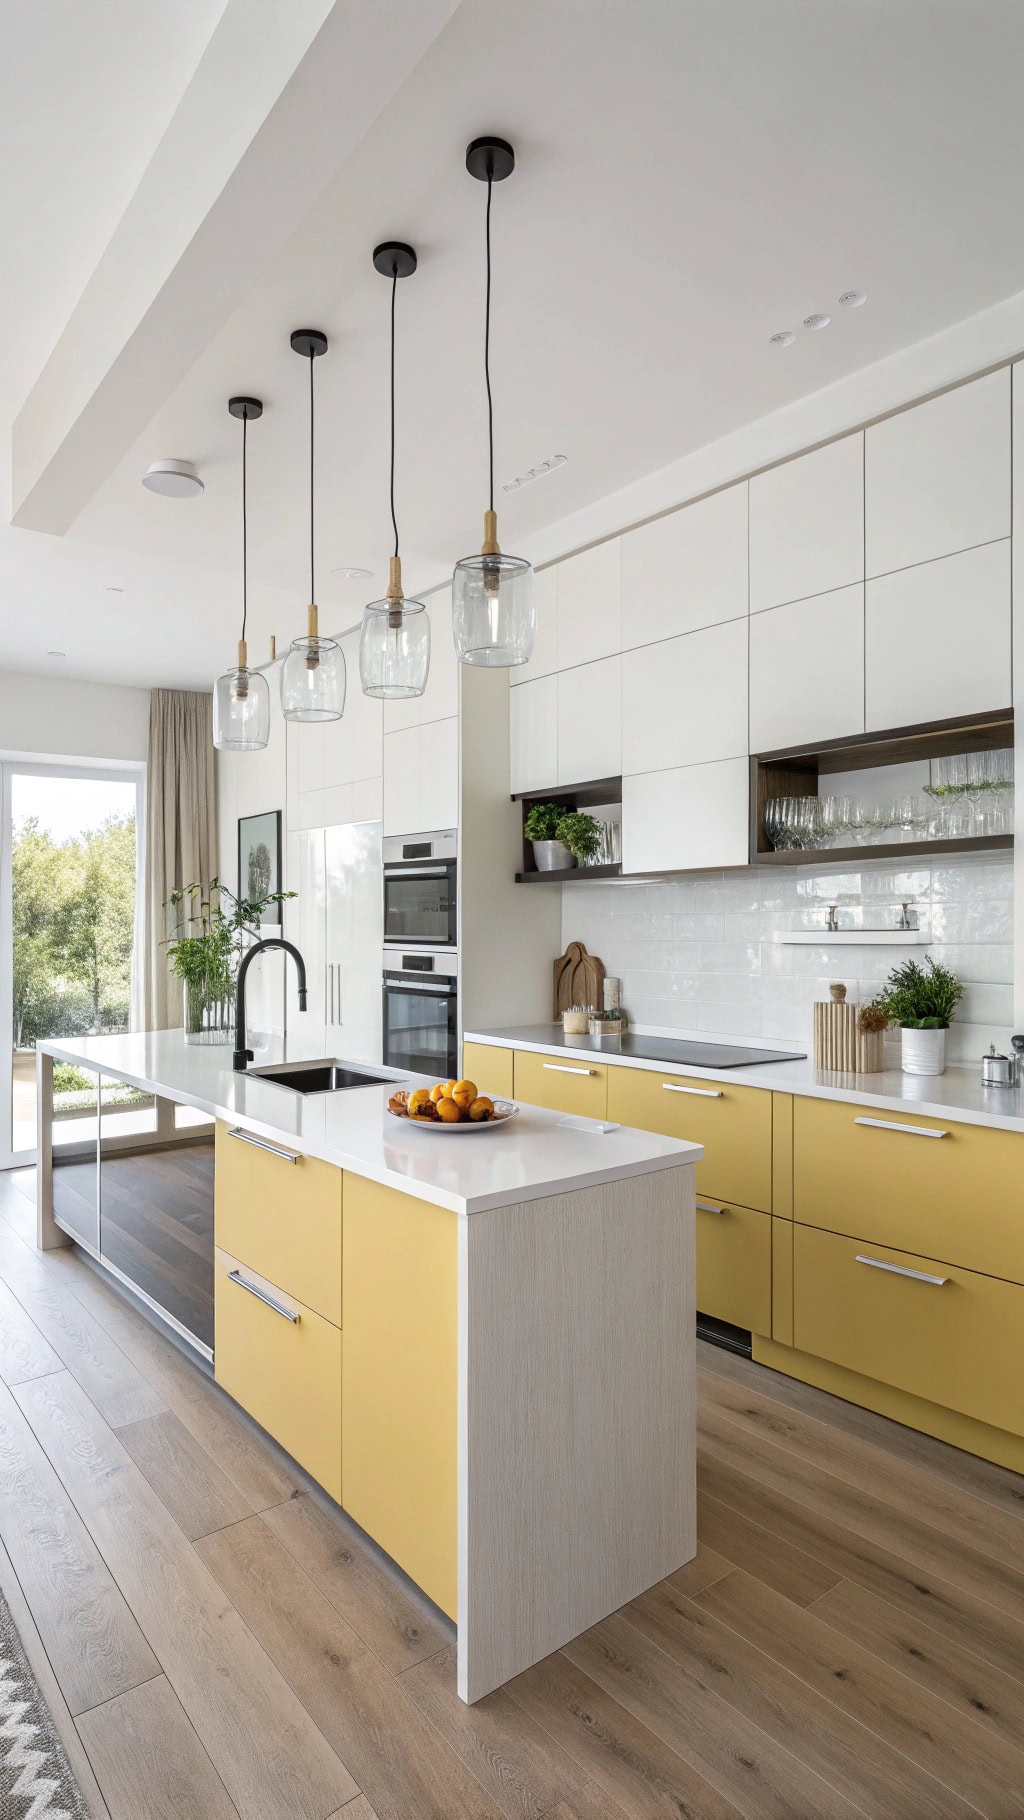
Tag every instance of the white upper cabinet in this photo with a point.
(440, 698)
(421, 778)
(544, 661)
(807, 671)
(938, 639)
(590, 722)
(687, 819)
(590, 604)
(807, 525)
(938, 476)
(686, 570)
(685, 700)
(351, 746)
(533, 735)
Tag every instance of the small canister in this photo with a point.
(998, 1070)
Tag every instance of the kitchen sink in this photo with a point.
(318, 1077)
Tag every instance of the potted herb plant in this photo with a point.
(550, 854)
(922, 1001)
(581, 834)
(205, 949)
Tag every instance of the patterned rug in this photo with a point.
(36, 1780)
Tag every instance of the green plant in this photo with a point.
(206, 944)
(69, 1079)
(580, 833)
(542, 821)
(921, 998)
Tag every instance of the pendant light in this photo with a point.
(493, 615)
(241, 698)
(394, 644)
(313, 673)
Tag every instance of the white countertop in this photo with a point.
(529, 1157)
(957, 1095)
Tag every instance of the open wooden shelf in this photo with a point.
(908, 850)
(568, 875)
(598, 793)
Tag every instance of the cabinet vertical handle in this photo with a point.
(287, 1314)
(563, 1068)
(703, 1093)
(900, 1270)
(909, 1130)
(249, 1137)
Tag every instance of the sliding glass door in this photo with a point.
(69, 872)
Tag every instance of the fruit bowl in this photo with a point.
(450, 1106)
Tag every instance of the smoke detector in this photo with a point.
(173, 479)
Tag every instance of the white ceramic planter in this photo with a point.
(552, 856)
(923, 1051)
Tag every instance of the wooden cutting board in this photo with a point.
(579, 979)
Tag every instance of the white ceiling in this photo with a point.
(692, 175)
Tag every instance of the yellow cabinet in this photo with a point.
(489, 1067)
(921, 1184)
(400, 1345)
(282, 1362)
(574, 1083)
(281, 1214)
(733, 1123)
(734, 1264)
(946, 1334)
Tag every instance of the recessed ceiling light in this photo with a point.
(537, 473)
(56, 653)
(173, 479)
(852, 300)
(819, 320)
(353, 574)
(783, 339)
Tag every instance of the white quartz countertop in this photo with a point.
(957, 1095)
(531, 1156)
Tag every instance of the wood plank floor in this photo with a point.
(217, 1642)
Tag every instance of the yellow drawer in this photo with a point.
(575, 1083)
(946, 1334)
(282, 1362)
(490, 1068)
(400, 1409)
(733, 1123)
(734, 1264)
(281, 1214)
(921, 1184)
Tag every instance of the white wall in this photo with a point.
(251, 783)
(55, 717)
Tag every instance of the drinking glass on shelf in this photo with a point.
(857, 822)
(808, 822)
(773, 821)
(829, 820)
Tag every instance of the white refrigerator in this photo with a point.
(337, 924)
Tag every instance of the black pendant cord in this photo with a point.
(394, 292)
(312, 522)
(245, 533)
(487, 347)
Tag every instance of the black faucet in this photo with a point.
(242, 1055)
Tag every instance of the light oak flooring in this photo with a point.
(217, 1642)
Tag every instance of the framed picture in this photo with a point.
(259, 860)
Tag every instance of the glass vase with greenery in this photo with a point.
(205, 948)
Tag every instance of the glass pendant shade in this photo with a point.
(241, 711)
(313, 679)
(394, 644)
(494, 618)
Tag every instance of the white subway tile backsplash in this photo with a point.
(698, 954)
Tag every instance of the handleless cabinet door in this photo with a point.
(421, 778)
(544, 661)
(684, 702)
(686, 819)
(440, 698)
(807, 525)
(590, 604)
(938, 639)
(685, 570)
(807, 670)
(590, 722)
(533, 735)
(937, 477)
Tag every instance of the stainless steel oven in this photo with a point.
(421, 1010)
(420, 890)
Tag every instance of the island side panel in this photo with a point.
(49, 1236)
(577, 1414)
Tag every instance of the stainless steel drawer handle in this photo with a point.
(900, 1270)
(288, 1314)
(248, 1137)
(911, 1130)
(703, 1093)
(563, 1068)
(709, 1207)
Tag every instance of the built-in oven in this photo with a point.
(420, 1010)
(419, 890)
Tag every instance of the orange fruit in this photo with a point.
(448, 1111)
(448, 1090)
(481, 1109)
(464, 1093)
(438, 1092)
(419, 1098)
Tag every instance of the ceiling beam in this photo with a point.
(279, 100)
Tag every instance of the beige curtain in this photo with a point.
(181, 831)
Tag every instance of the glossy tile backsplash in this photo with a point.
(696, 953)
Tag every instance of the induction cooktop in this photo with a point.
(698, 1055)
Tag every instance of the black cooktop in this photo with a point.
(680, 1051)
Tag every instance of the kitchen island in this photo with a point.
(480, 1343)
